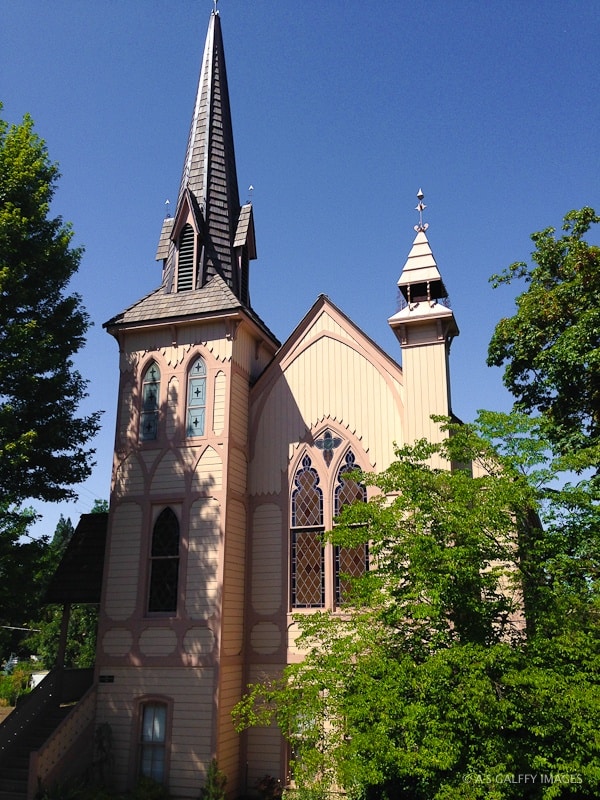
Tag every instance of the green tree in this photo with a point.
(550, 347)
(468, 655)
(21, 562)
(43, 443)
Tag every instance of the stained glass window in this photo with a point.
(150, 402)
(196, 408)
(307, 551)
(153, 741)
(349, 562)
(164, 563)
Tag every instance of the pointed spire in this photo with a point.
(208, 192)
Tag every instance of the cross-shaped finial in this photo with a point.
(420, 208)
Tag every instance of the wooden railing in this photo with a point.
(68, 750)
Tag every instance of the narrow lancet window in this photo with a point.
(164, 563)
(150, 403)
(349, 562)
(306, 547)
(196, 399)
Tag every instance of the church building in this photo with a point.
(231, 456)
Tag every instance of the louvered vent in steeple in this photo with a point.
(185, 260)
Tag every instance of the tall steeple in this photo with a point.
(210, 234)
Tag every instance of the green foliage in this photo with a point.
(468, 656)
(16, 684)
(21, 570)
(550, 348)
(43, 444)
(216, 781)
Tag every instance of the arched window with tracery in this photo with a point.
(150, 403)
(307, 551)
(349, 562)
(196, 398)
(164, 563)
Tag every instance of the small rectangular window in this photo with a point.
(153, 741)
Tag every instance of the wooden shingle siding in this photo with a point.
(123, 562)
(219, 403)
(266, 572)
(202, 583)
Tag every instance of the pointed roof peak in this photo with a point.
(208, 191)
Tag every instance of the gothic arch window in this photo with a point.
(150, 403)
(185, 259)
(164, 563)
(349, 562)
(196, 399)
(307, 551)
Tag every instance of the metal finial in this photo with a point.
(250, 193)
(215, 9)
(420, 208)
(167, 212)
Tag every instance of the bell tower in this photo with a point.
(425, 327)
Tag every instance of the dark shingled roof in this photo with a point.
(214, 298)
(78, 578)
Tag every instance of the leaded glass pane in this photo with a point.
(164, 563)
(307, 498)
(347, 491)
(165, 535)
(196, 413)
(150, 402)
(350, 562)
(163, 584)
(308, 569)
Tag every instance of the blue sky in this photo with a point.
(342, 110)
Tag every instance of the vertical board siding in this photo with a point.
(202, 583)
(238, 412)
(123, 561)
(310, 390)
(268, 570)
(219, 403)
